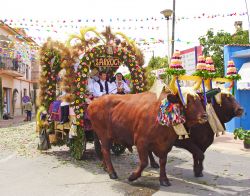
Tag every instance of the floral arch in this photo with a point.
(111, 51)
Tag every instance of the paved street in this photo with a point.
(26, 171)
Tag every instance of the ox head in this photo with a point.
(194, 111)
(193, 108)
(225, 104)
(227, 107)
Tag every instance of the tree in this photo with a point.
(154, 63)
(213, 45)
(158, 62)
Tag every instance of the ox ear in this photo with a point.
(173, 98)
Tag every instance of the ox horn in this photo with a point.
(172, 85)
(197, 85)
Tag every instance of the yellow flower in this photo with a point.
(77, 123)
(85, 69)
(81, 110)
(78, 79)
(77, 101)
(81, 89)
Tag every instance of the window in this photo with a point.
(27, 72)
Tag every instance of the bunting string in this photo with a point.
(63, 22)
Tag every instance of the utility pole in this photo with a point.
(248, 21)
(167, 13)
(173, 28)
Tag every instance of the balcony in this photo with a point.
(12, 67)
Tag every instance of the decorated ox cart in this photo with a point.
(64, 94)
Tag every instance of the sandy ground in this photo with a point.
(26, 171)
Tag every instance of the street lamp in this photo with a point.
(167, 13)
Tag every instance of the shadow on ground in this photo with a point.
(179, 171)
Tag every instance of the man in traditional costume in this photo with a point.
(103, 87)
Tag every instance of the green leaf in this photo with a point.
(213, 44)
(175, 72)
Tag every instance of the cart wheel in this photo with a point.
(97, 147)
(117, 149)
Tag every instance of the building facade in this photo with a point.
(240, 54)
(18, 61)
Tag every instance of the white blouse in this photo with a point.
(122, 84)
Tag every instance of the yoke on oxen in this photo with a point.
(203, 80)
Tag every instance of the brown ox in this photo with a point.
(202, 136)
(131, 120)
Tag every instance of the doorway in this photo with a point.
(6, 98)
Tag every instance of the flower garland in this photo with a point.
(54, 57)
(50, 62)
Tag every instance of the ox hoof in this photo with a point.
(155, 165)
(113, 175)
(105, 169)
(132, 177)
(197, 175)
(165, 183)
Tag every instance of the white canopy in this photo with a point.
(244, 83)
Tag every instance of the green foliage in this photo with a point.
(206, 74)
(175, 72)
(127, 76)
(234, 77)
(77, 144)
(213, 45)
(242, 134)
(158, 62)
(154, 63)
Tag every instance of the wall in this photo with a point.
(24, 52)
(20, 85)
(242, 96)
(35, 70)
(7, 81)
